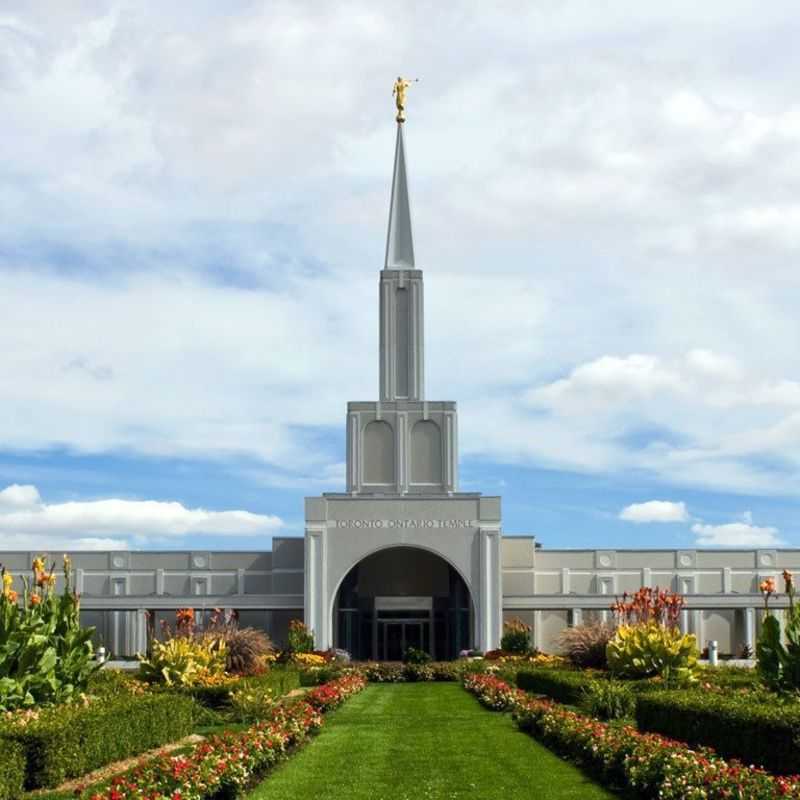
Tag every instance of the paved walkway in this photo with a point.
(424, 741)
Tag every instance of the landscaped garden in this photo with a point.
(214, 710)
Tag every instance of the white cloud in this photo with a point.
(619, 286)
(93, 524)
(655, 511)
(16, 496)
(736, 534)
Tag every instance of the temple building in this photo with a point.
(401, 557)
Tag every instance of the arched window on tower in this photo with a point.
(426, 453)
(378, 453)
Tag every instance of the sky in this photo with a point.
(193, 209)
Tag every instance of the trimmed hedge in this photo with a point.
(566, 686)
(73, 740)
(12, 770)
(569, 685)
(748, 727)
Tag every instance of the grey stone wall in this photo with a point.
(549, 589)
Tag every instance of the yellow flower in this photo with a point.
(8, 579)
(38, 564)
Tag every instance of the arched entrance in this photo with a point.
(402, 597)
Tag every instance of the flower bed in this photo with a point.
(68, 741)
(653, 765)
(225, 765)
(751, 726)
(388, 672)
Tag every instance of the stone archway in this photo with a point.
(401, 597)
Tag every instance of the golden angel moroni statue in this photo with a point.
(399, 93)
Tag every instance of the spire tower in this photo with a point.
(399, 239)
(402, 367)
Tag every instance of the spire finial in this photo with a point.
(399, 241)
(399, 93)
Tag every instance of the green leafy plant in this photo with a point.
(778, 662)
(607, 698)
(185, 661)
(516, 637)
(301, 639)
(45, 654)
(252, 703)
(648, 648)
(647, 642)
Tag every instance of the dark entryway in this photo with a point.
(399, 598)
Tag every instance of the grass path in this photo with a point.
(424, 741)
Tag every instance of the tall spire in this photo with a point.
(399, 241)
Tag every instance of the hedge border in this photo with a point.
(76, 740)
(12, 769)
(736, 726)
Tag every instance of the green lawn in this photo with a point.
(424, 741)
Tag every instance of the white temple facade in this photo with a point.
(402, 558)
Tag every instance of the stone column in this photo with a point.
(315, 604)
(750, 628)
(490, 601)
(141, 631)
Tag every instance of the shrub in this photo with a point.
(516, 637)
(606, 698)
(69, 741)
(12, 769)
(756, 729)
(316, 676)
(185, 661)
(646, 649)
(113, 682)
(414, 655)
(585, 645)
(253, 703)
(447, 670)
(45, 654)
(301, 639)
